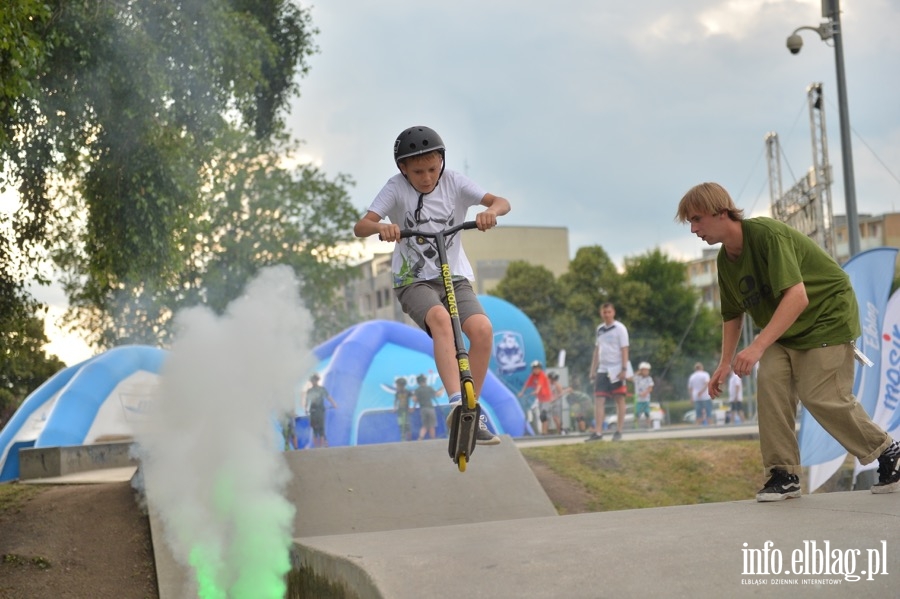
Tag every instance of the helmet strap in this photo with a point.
(418, 213)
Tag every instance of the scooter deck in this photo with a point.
(463, 427)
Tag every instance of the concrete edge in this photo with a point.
(337, 569)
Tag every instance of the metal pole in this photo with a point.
(846, 151)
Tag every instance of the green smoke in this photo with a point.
(213, 463)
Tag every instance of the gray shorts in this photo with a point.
(428, 416)
(418, 298)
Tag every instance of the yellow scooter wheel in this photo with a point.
(469, 393)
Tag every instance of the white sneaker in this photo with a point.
(451, 413)
(484, 436)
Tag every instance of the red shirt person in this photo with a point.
(541, 383)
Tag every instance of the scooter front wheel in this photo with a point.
(469, 394)
(461, 463)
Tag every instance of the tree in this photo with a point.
(111, 130)
(252, 214)
(666, 323)
(591, 279)
(124, 105)
(668, 326)
(532, 289)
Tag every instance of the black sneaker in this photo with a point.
(780, 486)
(617, 436)
(594, 437)
(484, 436)
(888, 475)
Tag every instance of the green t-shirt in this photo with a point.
(776, 257)
(425, 396)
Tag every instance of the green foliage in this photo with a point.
(667, 326)
(252, 213)
(591, 280)
(24, 365)
(146, 141)
(110, 116)
(668, 322)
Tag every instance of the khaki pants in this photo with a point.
(822, 379)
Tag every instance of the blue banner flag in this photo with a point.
(871, 274)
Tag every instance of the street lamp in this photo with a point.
(831, 29)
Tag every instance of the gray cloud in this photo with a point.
(597, 116)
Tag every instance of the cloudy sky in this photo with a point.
(591, 114)
(597, 115)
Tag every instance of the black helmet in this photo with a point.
(415, 141)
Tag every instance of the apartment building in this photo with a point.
(489, 253)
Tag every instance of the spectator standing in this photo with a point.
(314, 404)
(425, 397)
(539, 384)
(609, 370)
(736, 398)
(289, 429)
(643, 388)
(402, 397)
(698, 388)
(556, 405)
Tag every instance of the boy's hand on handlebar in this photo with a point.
(485, 220)
(388, 232)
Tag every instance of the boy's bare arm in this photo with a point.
(496, 206)
(371, 224)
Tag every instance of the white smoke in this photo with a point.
(211, 459)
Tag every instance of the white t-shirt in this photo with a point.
(698, 384)
(735, 388)
(444, 207)
(610, 341)
(641, 384)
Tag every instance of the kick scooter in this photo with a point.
(464, 425)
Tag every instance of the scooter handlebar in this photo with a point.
(469, 224)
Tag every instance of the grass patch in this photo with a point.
(657, 473)
(41, 563)
(14, 495)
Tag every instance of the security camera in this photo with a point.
(794, 43)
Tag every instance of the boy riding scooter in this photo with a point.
(427, 197)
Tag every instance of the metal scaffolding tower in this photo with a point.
(807, 205)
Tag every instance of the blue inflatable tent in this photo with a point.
(82, 404)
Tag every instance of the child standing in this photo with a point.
(643, 386)
(425, 397)
(314, 404)
(428, 197)
(401, 407)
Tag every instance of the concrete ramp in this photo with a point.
(373, 488)
(393, 486)
(694, 552)
(398, 521)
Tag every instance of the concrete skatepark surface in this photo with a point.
(398, 521)
(687, 551)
